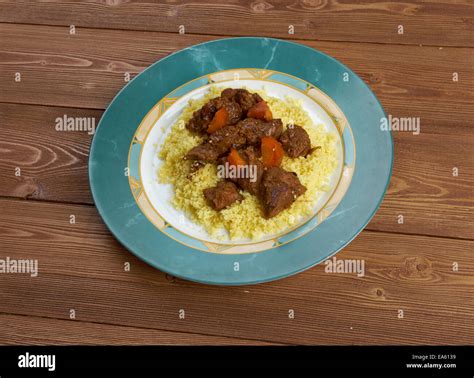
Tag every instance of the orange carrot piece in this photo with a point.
(235, 159)
(272, 152)
(261, 111)
(219, 120)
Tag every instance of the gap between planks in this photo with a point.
(218, 339)
(227, 36)
(428, 22)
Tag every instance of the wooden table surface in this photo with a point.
(410, 266)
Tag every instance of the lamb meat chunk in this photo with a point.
(218, 144)
(251, 153)
(246, 99)
(204, 152)
(226, 138)
(241, 96)
(255, 169)
(229, 93)
(234, 111)
(237, 102)
(295, 141)
(279, 189)
(254, 129)
(202, 117)
(224, 194)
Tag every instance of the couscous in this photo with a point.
(243, 219)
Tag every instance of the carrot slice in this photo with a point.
(235, 159)
(272, 152)
(219, 120)
(261, 111)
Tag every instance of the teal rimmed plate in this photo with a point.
(124, 160)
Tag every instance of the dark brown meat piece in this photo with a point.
(229, 93)
(241, 96)
(237, 102)
(203, 152)
(218, 144)
(224, 194)
(246, 99)
(295, 141)
(226, 138)
(202, 117)
(254, 129)
(234, 111)
(279, 189)
(255, 169)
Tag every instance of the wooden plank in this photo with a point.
(435, 22)
(87, 70)
(52, 164)
(431, 187)
(423, 189)
(33, 330)
(81, 267)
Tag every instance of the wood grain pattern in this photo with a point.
(87, 70)
(81, 267)
(423, 188)
(53, 164)
(33, 330)
(436, 22)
